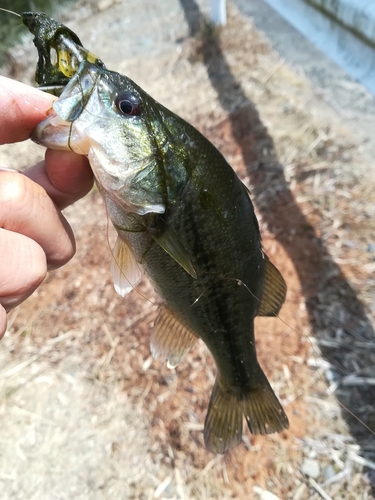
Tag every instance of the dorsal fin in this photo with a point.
(170, 338)
(125, 269)
(274, 290)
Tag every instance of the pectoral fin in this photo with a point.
(125, 269)
(166, 238)
(274, 291)
(170, 338)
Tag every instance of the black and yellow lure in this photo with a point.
(60, 51)
(49, 35)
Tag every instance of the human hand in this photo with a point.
(34, 235)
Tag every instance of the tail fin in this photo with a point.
(223, 425)
(263, 411)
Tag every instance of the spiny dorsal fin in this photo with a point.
(166, 238)
(170, 338)
(274, 291)
(126, 272)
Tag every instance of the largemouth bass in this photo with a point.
(182, 215)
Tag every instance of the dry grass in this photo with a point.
(86, 412)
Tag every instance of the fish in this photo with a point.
(182, 216)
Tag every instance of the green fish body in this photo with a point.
(183, 216)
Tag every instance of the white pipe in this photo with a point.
(218, 12)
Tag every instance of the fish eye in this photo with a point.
(128, 104)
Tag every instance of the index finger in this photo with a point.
(21, 109)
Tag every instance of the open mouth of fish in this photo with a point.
(83, 120)
(61, 129)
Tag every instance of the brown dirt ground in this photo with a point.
(113, 333)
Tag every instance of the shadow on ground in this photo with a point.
(338, 318)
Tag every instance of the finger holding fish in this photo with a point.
(31, 201)
(65, 176)
(21, 107)
(28, 218)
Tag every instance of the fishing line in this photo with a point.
(240, 282)
(10, 11)
(36, 108)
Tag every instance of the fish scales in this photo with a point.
(183, 216)
(215, 305)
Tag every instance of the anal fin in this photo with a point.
(274, 291)
(170, 338)
(125, 269)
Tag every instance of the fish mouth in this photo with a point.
(57, 131)
(53, 133)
